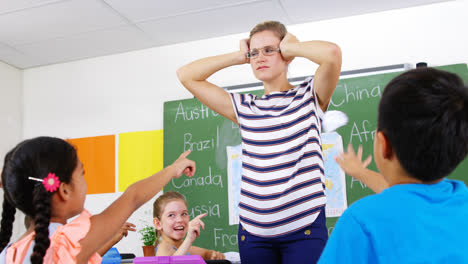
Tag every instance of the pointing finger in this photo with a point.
(185, 154)
(200, 216)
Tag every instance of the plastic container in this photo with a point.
(188, 259)
(111, 257)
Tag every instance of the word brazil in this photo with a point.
(200, 144)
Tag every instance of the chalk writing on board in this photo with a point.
(208, 209)
(199, 112)
(224, 239)
(362, 131)
(201, 144)
(356, 180)
(209, 179)
(351, 95)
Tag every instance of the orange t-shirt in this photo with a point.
(64, 243)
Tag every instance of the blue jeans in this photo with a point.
(302, 246)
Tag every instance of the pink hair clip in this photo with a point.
(51, 182)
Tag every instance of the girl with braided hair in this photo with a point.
(44, 178)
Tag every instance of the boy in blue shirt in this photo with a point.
(422, 135)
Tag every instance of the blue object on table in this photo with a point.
(111, 257)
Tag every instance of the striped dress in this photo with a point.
(282, 187)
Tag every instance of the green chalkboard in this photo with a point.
(359, 98)
(188, 124)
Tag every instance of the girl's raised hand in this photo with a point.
(184, 166)
(284, 46)
(194, 227)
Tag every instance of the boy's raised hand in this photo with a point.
(184, 166)
(352, 163)
(194, 227)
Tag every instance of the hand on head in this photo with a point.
(244, 48)
(194, 227)
(184, 166)
(287, 40)
(352, 163)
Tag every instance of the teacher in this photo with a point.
(282, 202)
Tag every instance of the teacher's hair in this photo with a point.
(274, 26)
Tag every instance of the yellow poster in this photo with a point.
(140, 156)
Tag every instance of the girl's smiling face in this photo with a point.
(174, 220)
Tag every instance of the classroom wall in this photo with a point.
(125, 92)
(11, 108)
(11, 118)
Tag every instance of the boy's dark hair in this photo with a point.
(424, 114)
(37, 158)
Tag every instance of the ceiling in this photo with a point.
(42, 32)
